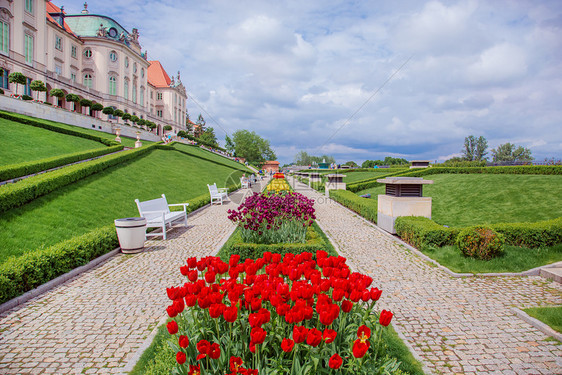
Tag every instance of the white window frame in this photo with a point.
(74, 51)
(4, 37)
(28, 48)
(29, 6)
(58, 42)
(112, 85)
(126, 90)
(88, 80)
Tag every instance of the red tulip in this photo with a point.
(329, 335)
(287, 345)
(299, 334)
(235, 363)
(181, 358)
(183, 341)
(360, 348)
(230, 314)
(214, 351)
(172, 327)
(314, 337)
(257, 335)
(194, 370)
(346, 306)
(335, 361)
(363, 332)
(385, 318)
(375, 294)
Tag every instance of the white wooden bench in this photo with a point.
(217, 194)
(158, 215)
(244, 182)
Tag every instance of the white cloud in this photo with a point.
(498, 64)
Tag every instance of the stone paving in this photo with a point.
(456, 325)
(94, 323)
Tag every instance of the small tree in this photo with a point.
(86, 103)
(474, 148)
(135, 119)
(508, 152)
(108, 111)
(74, 99)
(167, 128)
(17, 78)
(141, 122)
(38, 86)
(126, 116)
(57, 93)
(96, 107)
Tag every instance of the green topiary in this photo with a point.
(480, 242)
(26, 97)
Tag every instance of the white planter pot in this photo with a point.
(131, 232)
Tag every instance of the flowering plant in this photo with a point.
(274, 218)
(278, 184)
(290, 315)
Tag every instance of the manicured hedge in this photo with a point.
(539, 234)
(53, 127)
(24, 273)
(21, 192)
(23, 169)
(314, 241)
(521, 169)
(366, 207)
(422, 232)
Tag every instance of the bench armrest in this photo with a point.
(154, 212)
(179, 204)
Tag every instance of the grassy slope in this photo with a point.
(469, 199)
(98, 200)
(195, 150)
(21, 143)
(358, 176)
(551, 315)
(127, 142)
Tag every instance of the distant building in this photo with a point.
(271, 166)
(420, 163)
(89, 55)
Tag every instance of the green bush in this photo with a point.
(23, 169)
(540, 234)
(26, 97)
(47, 103)
(363, 206)
(480, 242)
(2, 91)
(53, 127)
(422, 232)
(314, 242)
(21, 274)
(19, 193)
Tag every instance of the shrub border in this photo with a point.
(12, 171)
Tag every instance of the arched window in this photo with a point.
(112, 86)
(126, 89)
(88, 80)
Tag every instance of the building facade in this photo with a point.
(89, 55)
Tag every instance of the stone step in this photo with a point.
(554, 273)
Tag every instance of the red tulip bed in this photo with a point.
(296, 314)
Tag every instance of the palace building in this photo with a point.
(89, 55)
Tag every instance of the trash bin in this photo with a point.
(131, 232)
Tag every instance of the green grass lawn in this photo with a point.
(198, 151)
(513, 259)
(21, 143)
(551, 316)
(469, 199)
(99, 199)
(358, 176)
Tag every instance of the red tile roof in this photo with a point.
(157, 76)
(52, 8)
(271, 162)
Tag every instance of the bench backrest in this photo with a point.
(158, 204)
(213, 190)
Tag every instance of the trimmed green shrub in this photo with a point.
(167, 127)
(23, 169)
(422, 232)
(365, 207)
(21, 274)
(26, 97)
(314, 242)
(540, 234)
(47, 103)
(480, 242)
(108, 110)
(53, 127)
(21, 192)
(2, 91)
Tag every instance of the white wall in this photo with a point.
(46, 112)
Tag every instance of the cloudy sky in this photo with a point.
(314, 75)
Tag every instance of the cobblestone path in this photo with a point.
(456, 325)
(94, 323)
